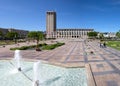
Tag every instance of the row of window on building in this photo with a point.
(22, 33)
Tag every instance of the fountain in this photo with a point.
(17, 58)
(43, 73)
(35, 70)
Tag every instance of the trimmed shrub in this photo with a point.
(52, 46)
(44, 46)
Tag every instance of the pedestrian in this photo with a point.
(100, 44)
(104, 44)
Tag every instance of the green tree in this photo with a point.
(1, 34)
(12, 36)
(101, 36)
(118, 34)
(92, 34)
(36, 35)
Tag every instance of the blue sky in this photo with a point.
(101, 15)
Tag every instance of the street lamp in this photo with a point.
(15, 39)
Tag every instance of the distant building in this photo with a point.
(109, 34)
(3, 30)
(72, 33)
(50, 24)
(52, 32)
(22, 33)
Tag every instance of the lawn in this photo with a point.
(2, 42)
(42, 46)
(114, 44)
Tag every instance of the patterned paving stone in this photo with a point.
(111, 57)
(105, 62)
(116, 64)
(101, 79)
(99, 65)
(76, 58)
(94, 57)
(111, 83)
(119, 63)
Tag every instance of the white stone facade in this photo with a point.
(71, 33)
(52, 32)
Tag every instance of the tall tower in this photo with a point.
(50, 24)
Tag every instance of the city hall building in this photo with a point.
(52, 32)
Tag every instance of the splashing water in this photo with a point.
(17, 58)
(35, 76)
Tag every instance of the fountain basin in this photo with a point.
(49, 75)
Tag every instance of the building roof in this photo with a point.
(75, 29)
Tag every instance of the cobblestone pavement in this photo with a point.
(105, 62)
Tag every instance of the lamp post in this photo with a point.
(15, 39)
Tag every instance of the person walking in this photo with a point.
(104, 44)
(100, 45)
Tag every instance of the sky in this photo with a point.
(100, 15)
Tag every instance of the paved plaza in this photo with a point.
(105, 62)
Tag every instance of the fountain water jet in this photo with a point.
(35, 70)
(17, 58)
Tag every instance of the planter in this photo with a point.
(91, 52)
(38, 49)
